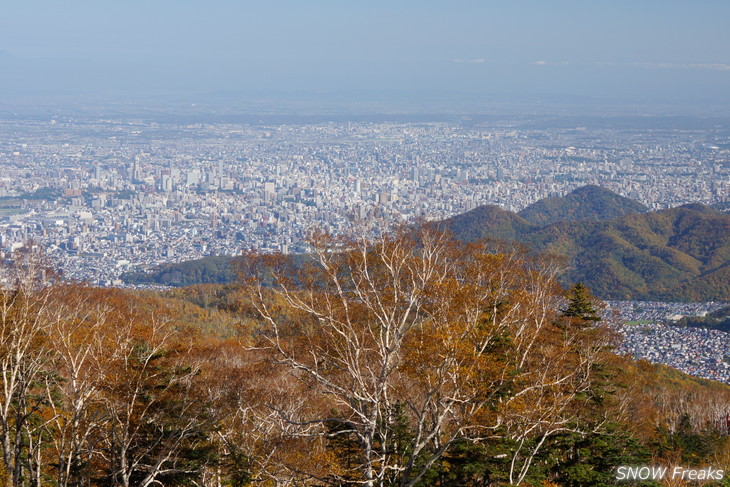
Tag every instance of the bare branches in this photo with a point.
(455, 338)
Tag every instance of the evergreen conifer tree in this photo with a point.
(581, 305)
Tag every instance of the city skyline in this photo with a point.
(105, 197)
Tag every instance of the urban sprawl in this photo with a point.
(105, 197)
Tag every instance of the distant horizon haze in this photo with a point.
(664, 53)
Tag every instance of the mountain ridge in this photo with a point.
(585, 203)
(680, 253)
(676, 254)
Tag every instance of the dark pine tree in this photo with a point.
(581, 305)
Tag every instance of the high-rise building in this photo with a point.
(269, 193)
(136, 171)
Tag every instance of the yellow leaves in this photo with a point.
(461, 337)
(5, 477)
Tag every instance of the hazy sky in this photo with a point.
(669, 50)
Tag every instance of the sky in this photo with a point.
(669, 51)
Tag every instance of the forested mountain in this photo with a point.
(585, 203)
(208, 270)
(679, 254)
(411, 361)
(676, 254)
(488, 222)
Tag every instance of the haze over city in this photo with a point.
(652, 53)
(376, 243)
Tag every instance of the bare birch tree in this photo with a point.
(413, 341)
(24, 306)
(80, 339)
(149, 398)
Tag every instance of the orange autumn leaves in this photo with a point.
(365, 363)
(460, 340)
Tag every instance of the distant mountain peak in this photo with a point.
(487, 221)
(616, 247)
(585, 203)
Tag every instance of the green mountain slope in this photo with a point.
(493, 222)
(585, 203)
(208, 270)
(677, 254)
(680, 254)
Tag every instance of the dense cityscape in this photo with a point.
(648, 332)
(317, 244)
(105, 197)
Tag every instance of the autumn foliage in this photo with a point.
(410, 361)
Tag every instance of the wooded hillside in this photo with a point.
(413, 360)
(609, 242)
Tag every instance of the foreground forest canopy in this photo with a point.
(412, 361)
(610, 242)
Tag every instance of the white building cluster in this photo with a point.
(648, 333)
(106, 196)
